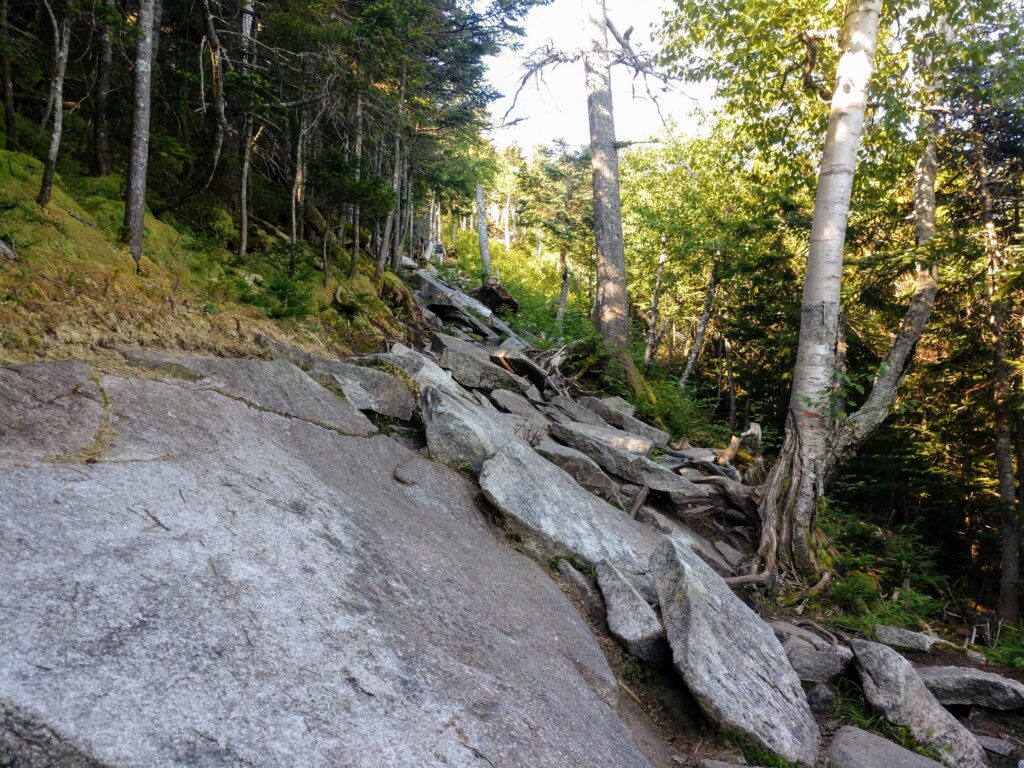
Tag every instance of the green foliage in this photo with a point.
(852, 709)
(680, 415)
(1009, 649)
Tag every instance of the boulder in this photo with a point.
(817, 665)
(583, 469)
(515, 361)
(226, 585)
(471, 366)
(619, 404)
(973, 687)
(854, 748)
(729, 658)
(680, 530)
(573, 411)
(273, 385)
(622, 420)
(719, 764)
(630, 619)
(588, 434)
(822, 700)
(597, 443)
(905, 639)
(367, 388)
(584, 591)
(419, 368)
(893, 687)
(561, 514)
(511, 402)
(459, 432)
(495, 296)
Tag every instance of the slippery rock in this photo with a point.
(974, 687)
(471, 366)
(630, 619)
(729, 658)
(893, 687)
(622, 420)
(458, 431)
(561, 513)
(854, 748)
(224, 585)
(272, 385)
(597, 443)
(583, 469)
(905, 639)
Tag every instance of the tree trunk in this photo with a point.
(248, 31)
(481, 231)
(1002, 393)
(653, 335)
(62, 37)
(702, 326)
(563, 294)
(507, 215)
(296, 196)
(730, 383)
(611, 304)
(798, 475)
(358, 159)
(217, 81)
(101, 164)
(135, 197)
(5, 51)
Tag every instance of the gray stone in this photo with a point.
(619, 404)
(583, 469)
(273, 385)
(510, 402)
(624, 421)
(905, 639)
(229, 586)
(1000, 747)
(590, 599)
(633, 467)
(561, 513)
(729, 659)
(458, 431)
(49, 409)
(608, 436)
(630, 619)
(531, 431)
(893, 687)
(471, 366)
(515, 361)
(367, 388)
(975, 687)
(719, 764)
(822, 700)
(817, 665)
(576, 412)
(680, 530)
(854, 748)
(420, 369)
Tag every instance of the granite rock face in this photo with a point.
(893, 687)
(630, 619)
(459, 431)
(471, 366)
(618, 417)
(228, 585)
(973, 687)
(729, 658)
(905, 639)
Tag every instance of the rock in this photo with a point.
(817, 665)
(1000, 747)
(975, 687)
(49, 410)
(459, 432)
(495, 296)
(720, 764)
(598, 443)
(630, 619)
(575, 412)
(580, 585)
(471, 366)
(408, 263)
(688, 536)
(906, 640)
(367, 388)
(619, 404)
(419, 368)
(510, 402)
(822, 700)
(275, 385)
(853, 748)
(531, 431)
(893, 687)
(583, 469)
(561, 513)
(729, 659)
(607, 436)
(225, 585)
(515, 361)
(624, 421)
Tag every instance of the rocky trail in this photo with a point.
(434, 556)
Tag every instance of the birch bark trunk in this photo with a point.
(358, 155)
(653, 334)
(248, 28)
(135, 198)
(481, 232)
(62, 38)
(563, 293)
(5, 52)
(702, 326)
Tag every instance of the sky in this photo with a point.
(555, 106)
